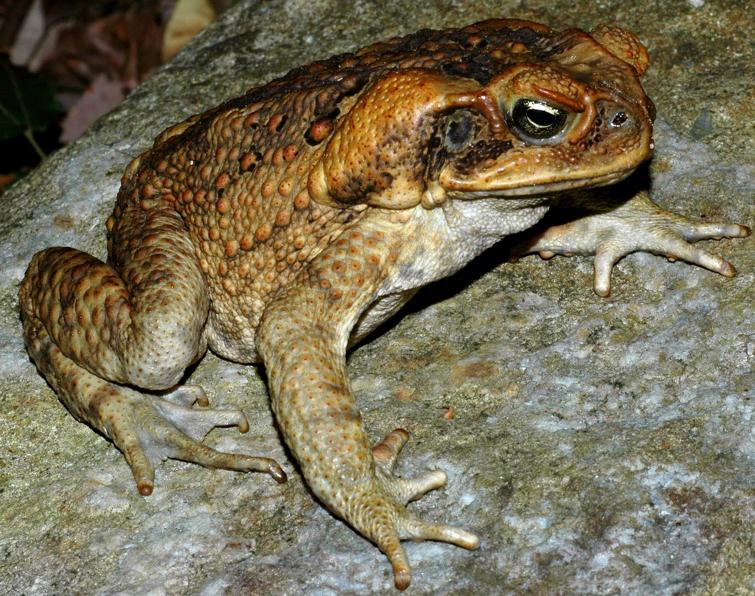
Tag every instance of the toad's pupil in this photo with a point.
(541, 118)
(619, 119)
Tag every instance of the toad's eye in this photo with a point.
(537, 122)
(459, 131)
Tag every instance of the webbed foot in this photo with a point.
(149, 429)
(636, 225)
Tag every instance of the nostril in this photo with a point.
(619, 119)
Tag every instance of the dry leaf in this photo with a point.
(189, 18)
(98, 99)
(28, 35)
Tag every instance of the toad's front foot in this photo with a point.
(637, 225)
(149, 429)
(378, 510)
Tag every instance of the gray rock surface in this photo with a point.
(596, 445)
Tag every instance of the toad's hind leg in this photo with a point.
(91, 330)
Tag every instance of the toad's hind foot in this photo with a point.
(385, 518)
(149, 429)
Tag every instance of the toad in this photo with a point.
(285, 225)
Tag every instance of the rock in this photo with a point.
(596, 445)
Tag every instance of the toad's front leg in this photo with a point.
(303, 338)
(611, 231)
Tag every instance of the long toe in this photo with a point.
(411, 489)
(386, 451)
(187, 449)
(126, 439)
(694, 231)
(187, 395)
(402, 571)
(416, 529)
(678, 248)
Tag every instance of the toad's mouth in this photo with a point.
(514, 189)
(532, 171)
(549, 187)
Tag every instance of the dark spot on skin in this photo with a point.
(282, 123)
(327, 101)
(248, 161)
(600, 116)
(387, 178)
(483, 59)
(525, 35)
(353, 84)
(475, 41)
(435, 155)
(479, 152)
(470, 70)
(321, 128)
(333, 114)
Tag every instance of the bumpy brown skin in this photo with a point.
(287, 223)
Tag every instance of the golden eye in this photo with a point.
(535, 121)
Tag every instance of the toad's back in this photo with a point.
(238, 175)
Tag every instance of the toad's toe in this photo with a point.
(380, 512)
(149, 429)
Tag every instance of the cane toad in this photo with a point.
(286, 224)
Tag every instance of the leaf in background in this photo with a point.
(27, 102)
(25, 33)
(189, 18)
(100, 97)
